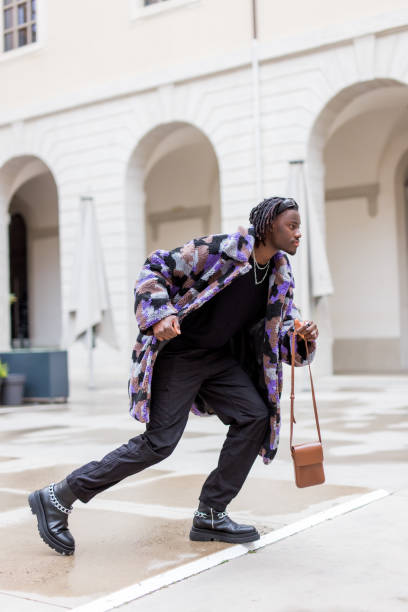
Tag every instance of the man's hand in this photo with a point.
(167, 328)
(307, 330)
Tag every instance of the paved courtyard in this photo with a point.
(139, 529)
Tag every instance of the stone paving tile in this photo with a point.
(354, 563)
(16, 603)
(140, 527)
(112, 551)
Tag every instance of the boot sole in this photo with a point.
(37, 509)
(208, 535)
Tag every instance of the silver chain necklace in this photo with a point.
(257, 266)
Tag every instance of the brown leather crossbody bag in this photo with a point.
(307, 457)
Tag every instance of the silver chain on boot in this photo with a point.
(55, 501)
(220, 515)
(200, 514)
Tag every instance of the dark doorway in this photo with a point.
(18, 282)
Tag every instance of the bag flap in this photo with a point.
(307, 454)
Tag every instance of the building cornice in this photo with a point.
(379, 25)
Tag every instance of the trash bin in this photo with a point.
(13, 390)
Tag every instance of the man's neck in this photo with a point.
(263, 253)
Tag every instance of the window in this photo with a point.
(144, 9)
(19, 23)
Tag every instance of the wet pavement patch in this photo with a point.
(379, 456)
(197, 434)
(28, 480)
(361, 390)
(281, 498)
(113, 551)
(7, 436)
(178, 491)
(115, 436)
(116, 549)
(369, 422)
(259, 496)
(10, 501)
(110, 435)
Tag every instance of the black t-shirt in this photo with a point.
(241, 303)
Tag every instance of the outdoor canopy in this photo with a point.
(311, 266)
(90, 310)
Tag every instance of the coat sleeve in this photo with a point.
(285, 337)
(157, 284)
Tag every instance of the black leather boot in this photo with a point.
(212, 525)
(52, 505)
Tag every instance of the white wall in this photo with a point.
(277, 21)
(187, 178)
(113, 43)
(359, 258)
(172, 234)
(89, 146)
(45, 293)
(88, 43)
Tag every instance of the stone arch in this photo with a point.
(28, 189)
(355, 105)
(172, 190)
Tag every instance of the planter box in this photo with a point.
(46, 373)
(12, 391)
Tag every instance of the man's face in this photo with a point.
(285, 233)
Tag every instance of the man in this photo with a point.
(215, 319)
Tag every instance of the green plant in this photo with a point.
(3, 369)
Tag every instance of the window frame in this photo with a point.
(150, 2)
(30, 47)
(138, 9)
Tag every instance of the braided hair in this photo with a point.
(265, 212)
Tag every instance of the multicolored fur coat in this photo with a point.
(177, 282)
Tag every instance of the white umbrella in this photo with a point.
(311, 266)
(90, 311)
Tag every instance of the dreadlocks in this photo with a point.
(266, 211)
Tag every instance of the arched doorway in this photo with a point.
(353, 140)
(34, 262)
(18, 282)
(172, 191)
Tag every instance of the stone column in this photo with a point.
(135, 215)
(4, 276)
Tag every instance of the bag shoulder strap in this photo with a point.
(292, 390)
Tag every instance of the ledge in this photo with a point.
(127, 85)
(20, 52)
(370, 192)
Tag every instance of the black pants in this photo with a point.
(177, 379)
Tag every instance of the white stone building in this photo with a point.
(172, 108)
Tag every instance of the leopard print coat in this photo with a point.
(179, 281)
